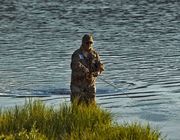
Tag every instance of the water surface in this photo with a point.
(137, 40)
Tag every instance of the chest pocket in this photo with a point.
(81, 57)
(83, 60)
(90, 61)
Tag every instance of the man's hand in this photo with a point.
(95, 74)
(89, 75)
(97, 67)
(101, 68)
(92, 75)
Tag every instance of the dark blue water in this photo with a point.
(137, 40)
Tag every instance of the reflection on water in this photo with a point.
(138, 41)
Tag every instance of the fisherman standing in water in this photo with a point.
(86, 66)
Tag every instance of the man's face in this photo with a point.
(88, 44)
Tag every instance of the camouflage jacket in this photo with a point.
(85, 68)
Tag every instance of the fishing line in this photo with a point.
(114, 86)
(111, 84)
(117, 88)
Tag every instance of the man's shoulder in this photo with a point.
(77, 52)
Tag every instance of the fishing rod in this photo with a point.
(111, 84)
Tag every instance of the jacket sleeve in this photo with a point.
(99, 64)
(76, 65)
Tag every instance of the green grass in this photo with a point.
(36, 121)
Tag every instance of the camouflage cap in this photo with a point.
(86, 38)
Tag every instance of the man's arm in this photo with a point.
(76, 65)
(98, 67)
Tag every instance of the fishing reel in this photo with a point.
(97, 66)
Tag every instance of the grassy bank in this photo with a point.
(37, 121)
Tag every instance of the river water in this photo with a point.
(138, 41)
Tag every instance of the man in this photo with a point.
(86, 66)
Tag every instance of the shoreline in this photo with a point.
(120, 115)
(36, 119)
